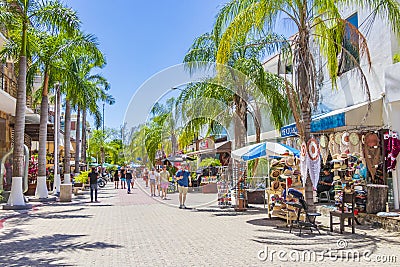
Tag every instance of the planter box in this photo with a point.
(31, 190)
(256, 197)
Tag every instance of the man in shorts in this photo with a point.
(183, 178)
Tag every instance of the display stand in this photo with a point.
(224, 194)
(241, 196)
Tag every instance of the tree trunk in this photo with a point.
(257, 126)
(83, 146)
(44, 114)
(19, 127)
(305, 104)
(77, 140)
(58, 114)
(67, 139)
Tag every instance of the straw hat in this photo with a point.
(287, 173)
(337, 178)
(275, 173)
(343, 167)
(336, 166)
(276, 185)
(289, 161)
(343, 156)
(274, 162)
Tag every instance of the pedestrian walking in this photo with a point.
(183, 178)
(158, 183)
(153, 177)
(93, 184)
(123, 179)
(164, 177)
(128, 179)
(146, 176)
(116, 179)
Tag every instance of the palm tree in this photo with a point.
(245, 61)
(26, 15)
(314, 20)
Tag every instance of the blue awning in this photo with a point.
(349, 116)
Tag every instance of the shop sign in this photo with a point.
(289, 130)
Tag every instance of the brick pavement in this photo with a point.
(136, 230)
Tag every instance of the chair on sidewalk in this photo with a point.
(346, 211)
(309, 222)
(324, 196)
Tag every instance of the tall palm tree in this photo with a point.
(26, 15)
(314, 20)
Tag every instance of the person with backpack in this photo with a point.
(93, 176)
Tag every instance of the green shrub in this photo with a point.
(210, 162)
(82, 177)
(396, 58)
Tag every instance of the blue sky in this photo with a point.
(141, 38)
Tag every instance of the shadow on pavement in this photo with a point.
(42, 251)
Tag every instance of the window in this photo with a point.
(2, 132)
(350, 51)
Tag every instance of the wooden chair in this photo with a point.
(348, 201)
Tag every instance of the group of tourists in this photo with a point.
(159, 181)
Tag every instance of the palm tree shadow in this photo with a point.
(35, 251)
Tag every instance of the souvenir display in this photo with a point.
(224, 194)
(303, 151)
(372, 152)
(313, 149)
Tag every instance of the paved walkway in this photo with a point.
(137, 230)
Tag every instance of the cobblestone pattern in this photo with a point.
(136, 230)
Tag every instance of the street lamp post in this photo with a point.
(102, 149)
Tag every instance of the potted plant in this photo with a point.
(81, 179)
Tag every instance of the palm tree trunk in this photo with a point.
(44, 106)
(41, 185)
(305, 91)
(83, 147)
(77, 139)
(19, 128)
(67, 140)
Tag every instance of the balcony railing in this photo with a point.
(7, 84)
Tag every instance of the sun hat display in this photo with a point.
(323, 141)
(338, 138)
(275, 173)
(313, 149)
(354, 138)
(345, 138)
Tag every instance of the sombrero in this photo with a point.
(313, 149)
(354, 138)
(323, 141)
(345, 138)
(275, 173)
